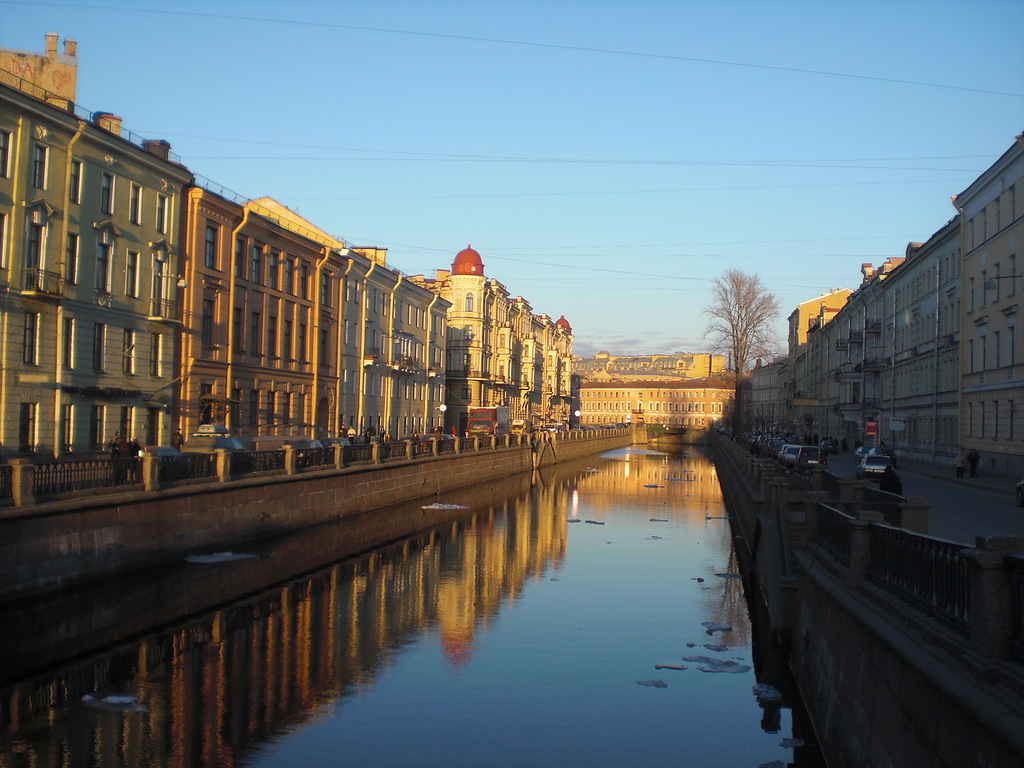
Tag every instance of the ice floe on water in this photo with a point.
(653, 485)
(439, 505)
(712, 626)
(658, 520)
(789, 743)
(116, 703)
(220, 557)
(573, 520)
(728, 575)
(670, 666)
(594, 522)
(767, 694)
(708, 664)
(653, 683)
(716, 647)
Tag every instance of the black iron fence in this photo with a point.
(188, 466)
(251, 462)
(54, 478)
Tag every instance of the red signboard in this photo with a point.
(870, 428)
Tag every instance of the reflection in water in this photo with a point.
(275, 673)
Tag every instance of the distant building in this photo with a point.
(90, 260)
(697, 403)
(607, 367)
(767, 412)
(499, 353)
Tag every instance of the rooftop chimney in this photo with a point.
(51, 45)
(70, 47)
(107, 122)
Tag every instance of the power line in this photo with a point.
(321, 24)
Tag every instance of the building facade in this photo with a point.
(695, 404)
(499, 353)
(90, 261)
(991, 212)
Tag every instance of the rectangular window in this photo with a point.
(239, 340)
(71, 260)
(325, 289)
(206, 331)
(304, 282)
(34, 239)
(75, 182)
(97, 415)
(128, 351)
(39, 154)
(99, 338)
(273, 263)
(162, 213)
(5, 154)
(155, 340)
(271, 407)
(68, 343)
(254, 333)
(272, 336)
(210, 246)
(239, 257)
(289, 276)
(3, 241)
(300, 347)
(104, 248)
(107, 193)
(135, 204)
(255, 263)
(30, 339)
(286, 340)
(254, 407)
(27, 427)
(324, 347)
(131, 274)
(67, 423)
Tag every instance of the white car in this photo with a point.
(787, 454)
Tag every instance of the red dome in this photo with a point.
(562, 323)
(467, 262)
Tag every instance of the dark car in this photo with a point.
(810, 456)
(873, 466)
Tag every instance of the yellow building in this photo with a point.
(696, 404)
(499, 353)
(90, 265)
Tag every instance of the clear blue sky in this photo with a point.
(607, 159)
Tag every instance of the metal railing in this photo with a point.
(54, 478)
(42, 281)
(314, 457)
(188, 466)
(249, 462)
(835, 532)
(1015, 571)
(927, 572)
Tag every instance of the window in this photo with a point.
(131, 274)
(27, 427)
(236, 324)
(289, 276)
(30, 339)
(239, 256)
(97, 415)
(273, 263)
(75, 182)
(155, 344)
(35, 240)
(104, 254)
(39, 153)
(5, 154)
(135, 204)
(255, 258)
(286, 340)
(469, 302)
(71, 260)
(206, 329)
(107, 193)
(67, 422)
(210, 246)
(68, 343)
(128, 351)
(272, 336)
(325, 289)
(254, 407)
(3, 241)
(324, 346)
(300, 348)
(162, 211)
(304, 282)
(99, 338)
(254, 333)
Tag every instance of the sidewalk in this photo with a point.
(996, 482)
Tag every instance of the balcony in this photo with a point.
(842, 345)
(875, 327)
(41, 281)
(856, 337)
(163, 309)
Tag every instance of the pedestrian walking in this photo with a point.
(973, 459)
(177, 440)
(890, 482)
(960, 464)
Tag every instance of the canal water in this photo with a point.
(591, 615)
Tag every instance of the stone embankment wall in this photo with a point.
(885, 681)
(64, 543)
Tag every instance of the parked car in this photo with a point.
(831, 446)
(787, 454)
(211, 443)
(809, 456)
(160, 451)
(336, 441)
(1020, 492)
(872, 467)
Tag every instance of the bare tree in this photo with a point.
(739, 323)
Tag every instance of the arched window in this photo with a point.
(469, 302)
